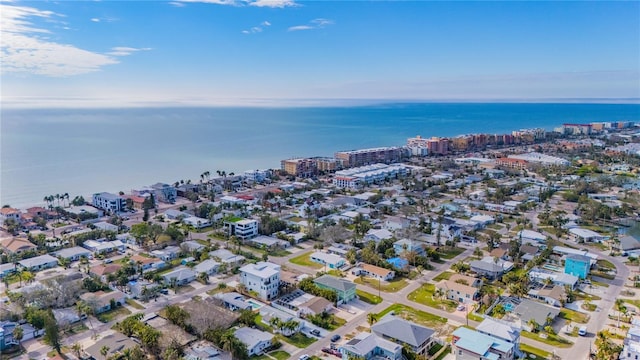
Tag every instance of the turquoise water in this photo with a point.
(254, 305)
(84, 151)
(509, 307)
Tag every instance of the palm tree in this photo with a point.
(77, 349)
(104, 350)
(85, 309)
(372, 318)
(18, 334)
(204, 277)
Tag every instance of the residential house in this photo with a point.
(268, 242)
(191, 246)
(141, 288)
(167, 254)
(256, 341)
(482, 221)
(102, 301)
(530, 236)
(553, 295)
(203, 350)
(103, 271)
(39, 263)
(330, 261)
(314, 306)
(629, 243)
(173, 214)
(631, 349)
(471, 345)
(197, 222)
(403, 245)
(529, 311)
(208, 267)
(377, 235)
(405, 333)
(263, 278)
(529, 252)
(540, 276)
(182, 276)
(393, 223)
(243, 229)
(73, 253)
(115, 342)
(341, 249)
(586, 235)
(227, 257)
(7, 213)
(345, 289)
(489, 268)
(234, 301)
(458, 291)
(370, 346)
(103, 225)
(373, 271)
(502, 330)
(102, 246)
(16, 246)
(500, 253)
(147, 263)
(577, 265)
(268, 313)
(165, 193)
(6, 333)
(7, 269)
(109, 202)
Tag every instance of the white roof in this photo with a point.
(262, 269)
(585, 233)
(252, 337)
(530, 234)
(328, 258)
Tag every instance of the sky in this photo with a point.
(288, 52)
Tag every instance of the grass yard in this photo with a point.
(633, 302)
(444, 353)
(449, 253)
(599, 283)
(411, 314)
(426, 295)
(475, 317)
(606, 264)
(574, 316)
(337, 322)
(445, 275)
(589, 307)
(368, 297)
(134, 304)
(184, 289)
(298, 340)
(553, 340)
(336, 273)
(538, 353)
(583, 296)
(110, 315)
(305, 260)
(386, 286)
(280, 355)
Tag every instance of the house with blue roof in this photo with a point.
(473, 345)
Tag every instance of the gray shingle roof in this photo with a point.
(402, 330)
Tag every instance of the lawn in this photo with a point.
(449, 253)
(444, 353)
(368, 297)
(110, 315)
(606, 264)
(539, 353)
(589, 307)
(336, 273)
(553, 340)
(599, 283)
(134, 304)
(574, 316)
(583, 296)
(633, 302)
(425, 295)
(386, 286)
(475, 317)
(305, 260)
(298, 340)
(445, 275)
(337, 322)
(280, 355)
(411, 314)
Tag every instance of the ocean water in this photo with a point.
(82, 151)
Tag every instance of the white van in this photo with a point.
(582, 331)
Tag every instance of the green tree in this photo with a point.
(52, 333)
(177, 315)
(104, 350)
(18, 333)
(247, 317)
(372, 318)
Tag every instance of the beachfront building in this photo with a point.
(263, 278)
(330, 261)
(473, 345)
(300, 167)
(8, 213)
(257, 176)
(362, 157)
(577, 265)
(164, 193)
(109, 202)
(345, 289)
(366, 175)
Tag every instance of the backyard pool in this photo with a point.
(255, 305)
(508, 307)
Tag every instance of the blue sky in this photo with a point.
(263, 52)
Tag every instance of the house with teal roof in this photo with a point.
(473, 345)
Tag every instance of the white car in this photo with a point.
(582, 331)
(304, 357)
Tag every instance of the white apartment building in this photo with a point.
(244, 229)
(263, 278)
(109, 202)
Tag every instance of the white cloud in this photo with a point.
(266, 23)
(318, 23)
(124, 51)
(176, 4)
(28, 49)
(217, 2)
(273, 3)
(257, 29)
(95, 20)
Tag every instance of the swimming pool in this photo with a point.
(254, 305)
(508, 306)
(551, 267)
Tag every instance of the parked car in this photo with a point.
(460, 308)
(335, 338)
(582, 331)
(304, 357)
(315, 332)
